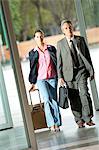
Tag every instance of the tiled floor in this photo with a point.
(70, 137)
(13, 139)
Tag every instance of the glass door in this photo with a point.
(13, 99)
(5, 118)
(88, 28)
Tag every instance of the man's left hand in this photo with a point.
(91, 77)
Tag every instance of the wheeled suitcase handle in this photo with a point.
(37, 112)
(32, 90)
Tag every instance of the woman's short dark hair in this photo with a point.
(38, 30)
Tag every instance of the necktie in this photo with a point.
(74, 54)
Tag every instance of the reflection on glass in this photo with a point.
(15, 138)
(91, 15)
(2, 115)
(44, 14)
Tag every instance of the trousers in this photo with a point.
(48, 91)
(80, 83)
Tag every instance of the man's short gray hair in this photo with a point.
(65, 21)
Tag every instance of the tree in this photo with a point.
(27, 15)
(60, 9)
(16, 16)
(37, 4)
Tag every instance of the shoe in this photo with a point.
(91, 123)
(57, 128)
(52, 129)
(81, 125)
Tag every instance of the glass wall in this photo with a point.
(45, 14)
(12, 98)
(2, 118)
(5, 118)
(91, 16)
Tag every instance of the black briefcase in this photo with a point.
(63, 97)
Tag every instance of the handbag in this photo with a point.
(37, 113)
(63, 97)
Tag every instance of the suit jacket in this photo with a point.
(33, 58)
(64, 59)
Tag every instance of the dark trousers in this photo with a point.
(80, 100)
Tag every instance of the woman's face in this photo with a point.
(39, 37)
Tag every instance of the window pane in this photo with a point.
(14, 138)
(91, 15)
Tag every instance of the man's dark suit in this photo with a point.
(64, 59)
(79, 81)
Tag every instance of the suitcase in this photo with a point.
(37, 112)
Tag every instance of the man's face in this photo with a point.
(67, 29)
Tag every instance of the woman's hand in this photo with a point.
(32, 87)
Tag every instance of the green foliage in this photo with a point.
(28, 15)
(91, 12)
(15, 14)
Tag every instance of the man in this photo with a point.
(74, 66)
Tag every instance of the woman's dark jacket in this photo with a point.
(33, 58)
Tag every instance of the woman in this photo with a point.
(43, 72)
